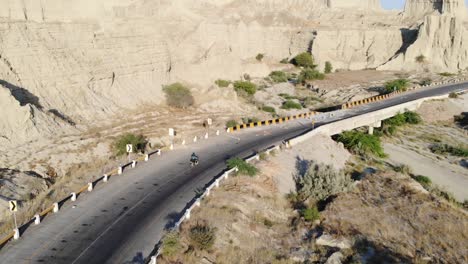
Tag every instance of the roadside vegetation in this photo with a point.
(245, 88)
(260, 57)
(397, 85)
(278, 76)
(446, 74)
(222, 83)
(362, 143)
(269, 109)
(328, 67)
(304, 60)
(389, 126)
(231, 123)
(202, 236)
(177, 95)
(138, 143)
(442, 149)
(244, 167)
(289, 104)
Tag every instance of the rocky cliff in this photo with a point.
(420, 8)
(441, 46)
(64, 64)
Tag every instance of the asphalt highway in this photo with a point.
(122, 220)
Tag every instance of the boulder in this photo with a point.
(329, 241)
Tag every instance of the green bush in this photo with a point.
(287, 96)
(245, 86)
(137, 141)
(424, 181)
(268, 223)
(259, 57)
(420, 59)
(171, 244)
(445, 148)
(310, 214)
(453, 95)
(222, 83)
(446, 74)
(278, 76)
(231, 123)
(242, 166)
(362, 143)
(304, 60)
(412, 118)
(390, 125)
(328, 67)
(248, 120)
(396, 85)
(178, 95)
(320, 181)
(403, 169)
(269, 109)
(202, 236)
(309, 75)
(291, 105)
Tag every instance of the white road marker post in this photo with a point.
(14, 208)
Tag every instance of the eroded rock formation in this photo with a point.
(68, 63)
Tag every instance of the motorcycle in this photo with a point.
(193, 162)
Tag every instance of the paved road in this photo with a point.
(120, 222)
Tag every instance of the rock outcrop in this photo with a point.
(79, 62)
(419, 8)
(441, 45)
(356, 49)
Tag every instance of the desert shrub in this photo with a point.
(361, 143)
(287, 96)
(403, 168)
(242, 166)
(248, 120)
(453, 95)
(328, 67)
(424, 181)
(137, 141)
(202, 236)
(309, 75)
(461, 120)
(438, 191)
(390, 125)
(222, 83)
(231, 123)
(304, 60)
(426, 81)
(263, 156)
(420, 58)
(446, 74)
(278, 76)
(291, 105)
(171, 244)
(268, 223)
(396, 85)
(245, 86)
(177, 95)
(310, 214)
(284, 61)
(448, 149)
(412, 118)
(259, 56)
(320, 181)
(269, 109)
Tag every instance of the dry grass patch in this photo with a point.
(398, 222)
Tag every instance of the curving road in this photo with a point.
(120, 221)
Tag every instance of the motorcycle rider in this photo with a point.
(194, 159)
